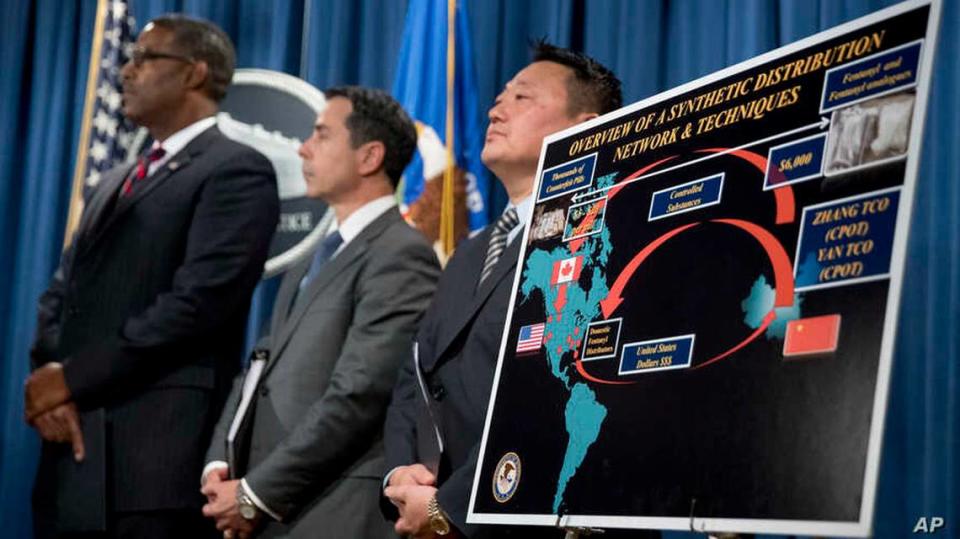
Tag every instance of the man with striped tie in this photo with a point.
(434, 424)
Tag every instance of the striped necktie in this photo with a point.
(498, 241)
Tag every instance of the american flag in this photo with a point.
(531, 338)
(111, 135)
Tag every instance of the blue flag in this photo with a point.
(421, 86)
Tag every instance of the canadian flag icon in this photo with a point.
(566, 270)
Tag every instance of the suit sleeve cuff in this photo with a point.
(212, 465)
(259, 503)
(90, 371)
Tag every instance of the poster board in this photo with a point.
(704, 310)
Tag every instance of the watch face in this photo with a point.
(248, 511)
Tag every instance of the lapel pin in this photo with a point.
(174, 165)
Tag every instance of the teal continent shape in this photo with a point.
(563, 331)
(759, 302)
(584, 417)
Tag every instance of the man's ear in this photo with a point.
(371, 156)
(197, 77)
(584, 116)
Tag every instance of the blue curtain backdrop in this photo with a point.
(652, 44)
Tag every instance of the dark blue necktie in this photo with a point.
(324, 253)
(328, 246)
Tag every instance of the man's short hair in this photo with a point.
(203, 41)
(593, 87)
(377, 116)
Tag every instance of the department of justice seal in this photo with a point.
(506, 477)
(274, 113)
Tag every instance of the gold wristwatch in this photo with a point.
(436, 518)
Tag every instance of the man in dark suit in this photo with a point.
(308, 444)
(459, 338)
(140, 332)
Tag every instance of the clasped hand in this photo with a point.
(47, 408)
(410, 490)
(222, 507)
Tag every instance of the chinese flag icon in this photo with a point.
(815, 335)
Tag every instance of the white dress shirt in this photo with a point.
(354, 224)
(178, 141)
(523, 213)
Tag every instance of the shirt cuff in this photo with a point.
(386, 478)
(212, 465)
(256, 501)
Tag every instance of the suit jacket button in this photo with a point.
(73, 311)
(438, 391)
(264, 391)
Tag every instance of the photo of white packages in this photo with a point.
(869, 133)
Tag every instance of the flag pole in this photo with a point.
(76, 191)
(447, 214)
(305, 38)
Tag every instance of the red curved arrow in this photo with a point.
(579, 364)
(767, 320)
(587, 222)
(620, 185)
(786, 211)
(782, 269)
(615, 296)
(782, 276)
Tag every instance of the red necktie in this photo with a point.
(140, 171)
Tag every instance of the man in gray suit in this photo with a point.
(306, 455)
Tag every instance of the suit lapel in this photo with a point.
(100, 198)
(176, 164)
(287, 294)
(305, 298)
(333, 269)
(463, 318)
(508, 260)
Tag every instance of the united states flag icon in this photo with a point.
(531, 338)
